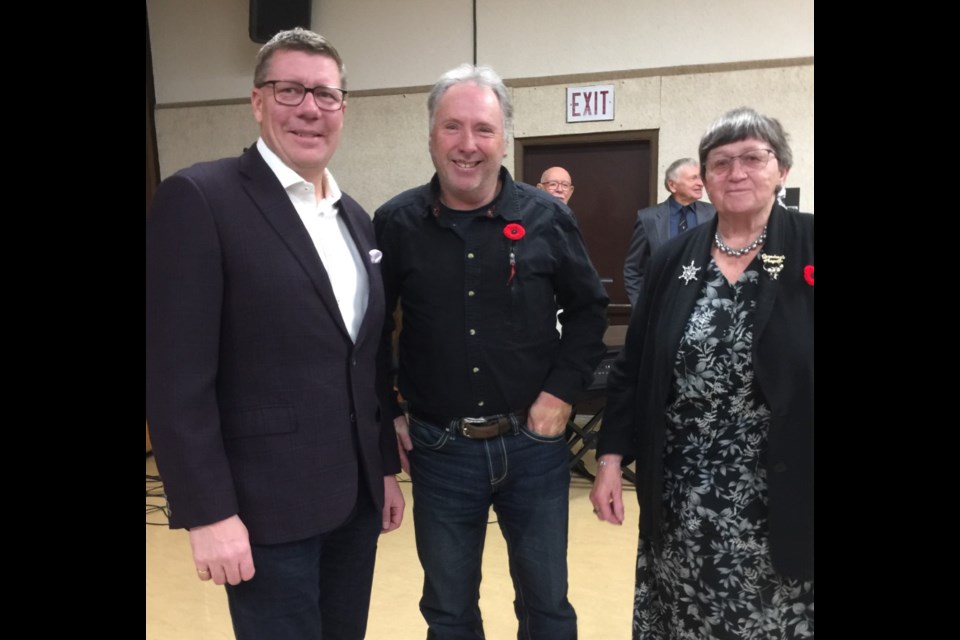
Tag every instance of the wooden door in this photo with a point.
(614, 175)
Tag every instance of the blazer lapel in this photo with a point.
(663, 223)
(263, 188)
(703, 212)
(695, 258)
(769, 286)
(675, 303)
(364, 243)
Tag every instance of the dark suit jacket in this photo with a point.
(258, 401)
(650, 231)
(641, 379)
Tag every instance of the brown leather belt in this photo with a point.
(477, 428)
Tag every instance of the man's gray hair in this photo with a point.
(740, 124)
(296, 39)
(674, 169)
(480, 76)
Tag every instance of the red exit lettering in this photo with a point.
(594, 103)
(573, 104)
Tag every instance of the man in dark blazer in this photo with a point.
(655, 225)
(264, 311)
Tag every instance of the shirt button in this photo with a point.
(780, 467)
(470, 255)
(480, 404)
(476, 369)
(473, 332)
(353, 362)
(470, 293)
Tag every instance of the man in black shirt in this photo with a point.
(480, 265)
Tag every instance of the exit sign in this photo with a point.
(585, 104)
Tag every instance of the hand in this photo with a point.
(404, 443)
(607, 493)
(393, 504)
(548, 415)
(221, 551)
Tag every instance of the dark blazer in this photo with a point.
(258, 401)
(641, 379)
(650, 231)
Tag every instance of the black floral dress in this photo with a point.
(711, 574)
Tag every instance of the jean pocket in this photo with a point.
(427, 436)
(536, 437)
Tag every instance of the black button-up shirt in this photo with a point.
(474, 340)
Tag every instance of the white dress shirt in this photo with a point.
(330, 236)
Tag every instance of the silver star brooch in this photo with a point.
(689, 273)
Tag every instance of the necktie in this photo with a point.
(682, 225)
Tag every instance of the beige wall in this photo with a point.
(201, 50)
(522, 39)
(397, 43)
(202, 54)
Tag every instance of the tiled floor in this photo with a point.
(601, 563)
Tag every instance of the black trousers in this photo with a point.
(313, 589)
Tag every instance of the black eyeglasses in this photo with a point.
(291, 94)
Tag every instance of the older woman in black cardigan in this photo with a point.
(713, 397)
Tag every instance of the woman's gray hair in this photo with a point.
(740, 124)
(480, 76)
(296, 39)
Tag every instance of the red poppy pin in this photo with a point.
(808, 274)
(513, 231)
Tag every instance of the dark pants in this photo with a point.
(316, 589)
(455, 481)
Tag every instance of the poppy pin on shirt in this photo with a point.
(513, 231)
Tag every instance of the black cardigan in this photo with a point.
(641, 379)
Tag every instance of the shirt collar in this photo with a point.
(505, 204)
(675, 206)
(290, 178)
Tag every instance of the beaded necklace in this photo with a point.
(736, 253)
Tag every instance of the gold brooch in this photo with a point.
(773, 265)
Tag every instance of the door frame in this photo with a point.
(649, 135)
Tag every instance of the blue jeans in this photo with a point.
(527, 480)
(313, 589)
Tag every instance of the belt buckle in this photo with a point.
(466, 423)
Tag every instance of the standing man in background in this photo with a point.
(655, 225)
(264, 314)
(558, 182)
(480, 264)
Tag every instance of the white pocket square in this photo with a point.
(375, 256)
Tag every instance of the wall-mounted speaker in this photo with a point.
(267, 17)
